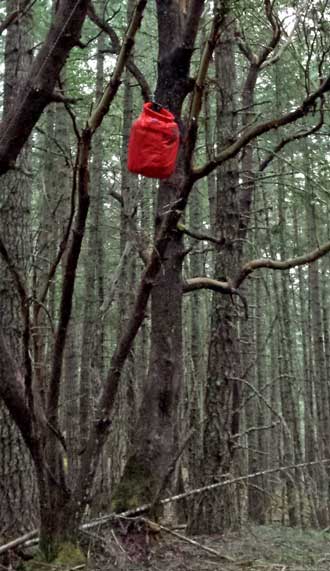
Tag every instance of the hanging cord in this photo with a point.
(60, 34)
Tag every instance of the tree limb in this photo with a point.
(251, 133)
(69, 279)
(63, 244)
(231, 286)
(103, 106)
(193, 284)
(36, 92)
(209, 47)
(276, 35)
(190, 541)
(294, 137)
(191, 493)
(283, 47)
(131, 66)
(200, 235)
(253, 265)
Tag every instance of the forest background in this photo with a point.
(148, 345)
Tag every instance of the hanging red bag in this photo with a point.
(154, 143)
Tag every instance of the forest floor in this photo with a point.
(256, 548)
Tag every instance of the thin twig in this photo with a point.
(190, 541)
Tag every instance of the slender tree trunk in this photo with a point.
(318, 360)
(89, 373)
(223, 371)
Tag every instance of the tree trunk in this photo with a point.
(218, 510)
(153, 446)
(18, 496)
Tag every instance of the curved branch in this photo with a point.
(193, 284)
(200, 236)
(253, 265)
(231, 286)
(251, 133)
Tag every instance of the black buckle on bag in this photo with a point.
(156, 106)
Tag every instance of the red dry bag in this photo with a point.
(154, 143)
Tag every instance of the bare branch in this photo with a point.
(284, 46)
(251, 133)
(69, 279)
(253, 265)
(204, 489)
(126, 48)
(209, 47)
(294, 137)
(193, 284)
(276, 36)
(137, 235)
(18, 280)
(109, 30)
(63, 244)
(18, 541)
(200, 235)
(257, 60)
(58, 97)
(219, 555)
(112, 286)
(245, 49)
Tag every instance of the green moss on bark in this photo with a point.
(136, 487)
(62, 555)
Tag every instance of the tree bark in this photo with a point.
(153, 445)
(18, 495)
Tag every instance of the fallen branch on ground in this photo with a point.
(191, 541)
(178, 497)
